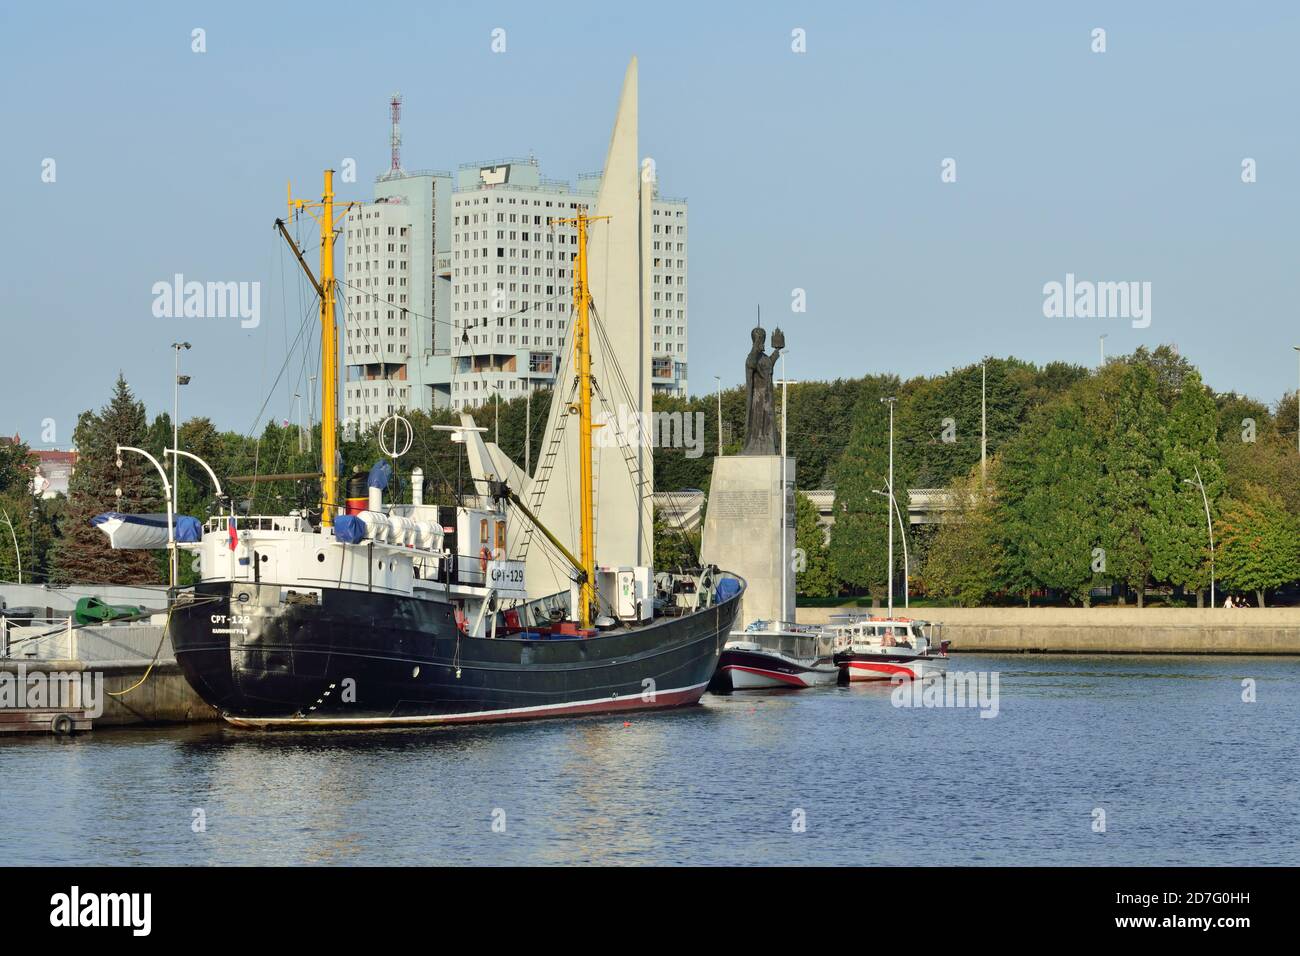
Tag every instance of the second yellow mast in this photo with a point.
(582, 355)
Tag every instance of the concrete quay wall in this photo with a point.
(1105, 630)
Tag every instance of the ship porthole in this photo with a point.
(415, 671)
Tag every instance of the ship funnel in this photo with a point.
(417, 486)
(377, 481)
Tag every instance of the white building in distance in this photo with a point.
(459, 288)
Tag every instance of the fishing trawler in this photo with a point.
(414, 613)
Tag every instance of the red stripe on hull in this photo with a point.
(886, 670)
(679, 698)
(775, 675)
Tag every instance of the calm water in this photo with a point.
(1185, 771)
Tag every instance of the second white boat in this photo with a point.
(889, 648)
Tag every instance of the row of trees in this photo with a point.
(1093, 480)
(1108, 486)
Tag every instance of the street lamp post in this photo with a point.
(496, 429)
(167, 495)
(718, 380)
(896, 512)
(984, 424)
(1297, 409)
(177, 381)
(785, 384)
(890, 402)
(1209, 525)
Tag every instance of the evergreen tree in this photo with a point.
(82, 553)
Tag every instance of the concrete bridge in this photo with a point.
(685, 509)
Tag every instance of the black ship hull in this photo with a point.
(349, 658)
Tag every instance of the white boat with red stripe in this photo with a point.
(775, 654)
(887, 648)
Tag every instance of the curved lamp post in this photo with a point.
(167, 491)
(176, 452)
(17, 552)
(907, 587)
(1209, 525)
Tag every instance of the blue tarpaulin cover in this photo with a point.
(380, 472)
(148, 532)
(349, 529)
(727, 588)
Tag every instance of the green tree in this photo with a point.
(965, 562)
(675, 549)
(1175, 524)
(1128, 418)
(861, 529)
(940, 424)
(814, 575)
(15, 464)
(82, 553)
(1259, 543)
(1046, 519)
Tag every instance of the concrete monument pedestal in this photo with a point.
(743, 529)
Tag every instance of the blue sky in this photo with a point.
(818, 171)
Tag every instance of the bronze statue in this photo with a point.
(760, 410)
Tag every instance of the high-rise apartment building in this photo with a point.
(458, 289)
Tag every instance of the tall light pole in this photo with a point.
(785, 384)
(177, 381)
(496, 431)
(890, 402)
(984, 425)
(895, 512)
(1297, 409)
(718, 380)
(1209, 525)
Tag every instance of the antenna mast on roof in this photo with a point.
(395, 140)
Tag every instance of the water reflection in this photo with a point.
(1163, 744)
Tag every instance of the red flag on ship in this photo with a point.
(234, 534)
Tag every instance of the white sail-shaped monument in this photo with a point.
(620, 274)
(623, 463)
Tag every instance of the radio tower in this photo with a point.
(395, 109)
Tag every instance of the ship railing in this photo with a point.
(255, 523)
(14, 634)
(463, 569)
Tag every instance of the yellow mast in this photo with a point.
(582, 353)
(323, 213)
